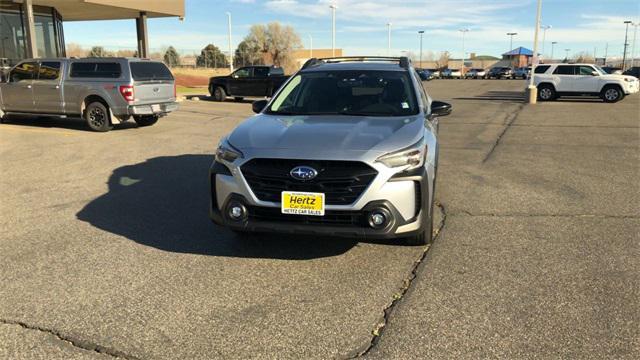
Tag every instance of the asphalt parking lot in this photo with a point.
(108, 251)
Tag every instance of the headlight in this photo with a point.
(413, 156)
(226, 152)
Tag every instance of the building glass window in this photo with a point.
(12, 36)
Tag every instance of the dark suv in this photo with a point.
(500, 72)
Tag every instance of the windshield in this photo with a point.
(363, 93)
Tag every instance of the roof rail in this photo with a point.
(403, 61)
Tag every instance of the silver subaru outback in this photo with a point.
(347, 147)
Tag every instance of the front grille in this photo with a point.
(331, 217)
(342, 182)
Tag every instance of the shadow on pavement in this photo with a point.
(163, 202)
(71, 123)
(508, 96)
(229, 99)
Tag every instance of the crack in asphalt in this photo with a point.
(510, 119)
(604, 216)
(73, 341)
(377, 331)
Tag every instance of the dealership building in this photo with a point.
(33, 28)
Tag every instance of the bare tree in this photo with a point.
(271, 43)
(75, 50)
(443, 60)
(584, 57)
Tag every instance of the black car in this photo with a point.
(611, 70)
(634, 71)
(500, 72)
(247, 81)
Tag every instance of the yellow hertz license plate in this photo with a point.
(302, 203)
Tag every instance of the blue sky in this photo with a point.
(580, 25)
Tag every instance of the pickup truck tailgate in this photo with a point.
(152, 82)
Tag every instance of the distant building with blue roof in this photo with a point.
(519, 57)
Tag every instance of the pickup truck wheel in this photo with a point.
(546, 92)
(145, 120)
(611, 94)
(97, 117)
(219, 94)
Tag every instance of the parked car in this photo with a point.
(583, 79)
(247, 81)
(612, 70)
(521, 73)
(452, 74)
(347, 147)
(434, 72)
(500, 72)
(102, 91)
(634, 71)
(475, 73)
(425, 75)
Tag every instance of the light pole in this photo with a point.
(389, 39)
(230, 52)
(553, 44)
(566, 56)
(544, 36)
(633, 45)
(333, 29)
(463, 31)
(310, 46)
(532, 89)
(421, 32)
(624, 55)
(511, 34)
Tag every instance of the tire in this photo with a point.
(611, 94)
(238, 98)
(546, 92)
(97, 117)
(146, 120)
(219, 94)
(425, 237)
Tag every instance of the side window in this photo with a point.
(261, 72)
(49, 70)
(24, 71)
(586, 70)
(95, 70)
(541, 69)
(242, 73)
(565, 70)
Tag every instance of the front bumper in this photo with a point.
(632, 87)
(348, 222)
(153, 109)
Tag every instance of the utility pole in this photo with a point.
(230, 51)
(421, 32)
(511, 34)
(544, 36)
(553, 44)
(463, 31)
(389, 39)
(567, 54)
(532, 89)
(333, 29)
(624, 55)
(633, 44)
(310, 46)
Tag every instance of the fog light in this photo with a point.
(377, 219)
(235, 212)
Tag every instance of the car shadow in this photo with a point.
(508, 96)
(71, 123)
(163, 202)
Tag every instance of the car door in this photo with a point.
(47, 92)
(260, 81)
(563, 78)
(237, 81)
(584, 80)
(17, 93)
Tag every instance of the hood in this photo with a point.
(616, 77)
(327, 132)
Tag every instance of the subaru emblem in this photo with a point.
(303, 173)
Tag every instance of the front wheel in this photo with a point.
(146, 120)
(611, 94)
(425, 237)
(219, 94)
(97, 117)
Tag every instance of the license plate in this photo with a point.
(302, 203)
(155, 107)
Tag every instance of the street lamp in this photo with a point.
(333, 29)
(624, 55)
(566, 56)
(553, 44)
(421, 32)
(544, 36)
(511, 34)
(463, 31)
(230, 52)
(389, 39)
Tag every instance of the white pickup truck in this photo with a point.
(555, 80)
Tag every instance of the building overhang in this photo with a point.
(77, 10)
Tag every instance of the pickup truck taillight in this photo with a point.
(127, 92)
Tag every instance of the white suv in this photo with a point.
(555, 80)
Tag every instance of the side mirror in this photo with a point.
(440, 108)
(595, 73)
(258, 105)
